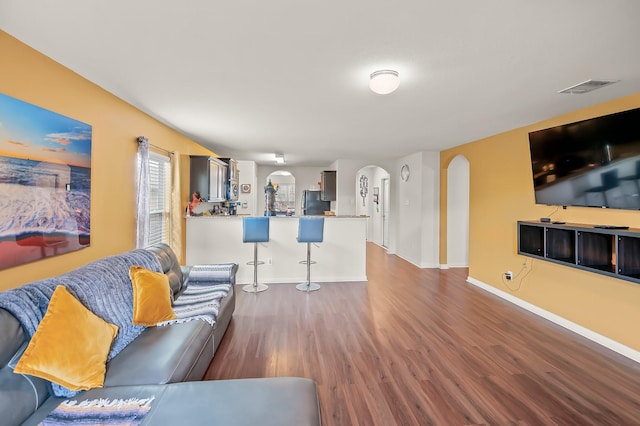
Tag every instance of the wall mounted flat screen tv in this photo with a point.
(591, 163)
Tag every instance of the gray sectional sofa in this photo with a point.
(164, 363)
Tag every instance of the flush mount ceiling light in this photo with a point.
(279, 158)
(384, 82)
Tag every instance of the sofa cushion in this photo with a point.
(167, 354)
(274, 401)
(151, 296)
(70, 346)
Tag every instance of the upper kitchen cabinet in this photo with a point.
(232, 173)
(233, 176)
(328, 181)
(208, 176)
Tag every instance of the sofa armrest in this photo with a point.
(218, 273)
(186, 270)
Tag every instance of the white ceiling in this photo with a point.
(250, 78)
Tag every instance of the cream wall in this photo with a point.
(28, 75)
(248, 201)
(417, 211)
(501, 193)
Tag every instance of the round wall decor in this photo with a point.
(404, 173)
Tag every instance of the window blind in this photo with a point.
(159, 198)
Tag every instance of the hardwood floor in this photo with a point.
(419, 347)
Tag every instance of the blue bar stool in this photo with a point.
(255, 230)
(310, 230)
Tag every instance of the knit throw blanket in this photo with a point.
(99, 412)
(212, 273)
(103, 286)
(208, 285)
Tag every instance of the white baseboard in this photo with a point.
(408, 260)
(421, 265)
(563, 322)
(377, 243)
(448, 266)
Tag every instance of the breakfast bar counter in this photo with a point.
(340, 257)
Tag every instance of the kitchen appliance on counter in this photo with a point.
(312, 204)
(233, 209)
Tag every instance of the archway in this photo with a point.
(372, 200)
(285, 185)
(458, 212)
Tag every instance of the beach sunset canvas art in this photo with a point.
(45, 183)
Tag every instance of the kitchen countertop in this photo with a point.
(277, 217)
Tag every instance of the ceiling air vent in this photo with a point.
(587, 86)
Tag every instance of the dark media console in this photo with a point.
(604, 249)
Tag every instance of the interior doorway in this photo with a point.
(458, 212)
(285, 185)
(372, 200)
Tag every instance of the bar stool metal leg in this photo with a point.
(255, 287)
(308, 285)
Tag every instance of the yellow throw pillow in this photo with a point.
(151, 297)
(70, 345)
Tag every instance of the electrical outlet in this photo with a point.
(508, 275)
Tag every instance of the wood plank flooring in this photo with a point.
(421, 347)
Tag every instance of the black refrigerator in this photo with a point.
(312, 204)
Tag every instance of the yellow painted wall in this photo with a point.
(28, 75)
(501, 193)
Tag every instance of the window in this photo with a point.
(159, 199)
